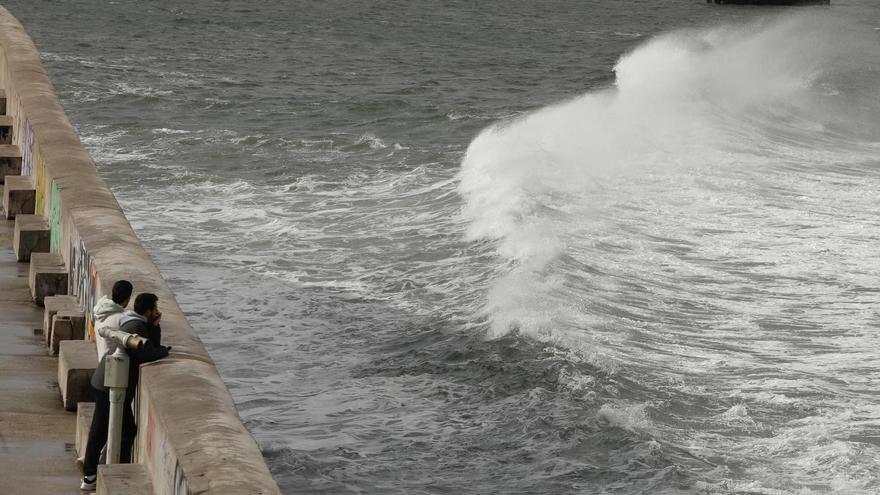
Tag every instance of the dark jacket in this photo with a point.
(151, 351)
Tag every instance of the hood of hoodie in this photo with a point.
(105, 307)
(130, 316)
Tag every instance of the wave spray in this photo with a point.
(800, 89)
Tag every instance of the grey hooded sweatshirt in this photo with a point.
(151, 350)
(107, 314)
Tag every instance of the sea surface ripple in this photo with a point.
(508, 247)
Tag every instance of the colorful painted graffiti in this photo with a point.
(55, 218)
(91, 299)
(83, 283)
(158, 457)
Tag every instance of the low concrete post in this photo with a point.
(116, 379)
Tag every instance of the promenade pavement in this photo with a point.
(36, 433)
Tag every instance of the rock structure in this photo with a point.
(772, 2)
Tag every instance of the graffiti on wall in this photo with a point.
(18, 123)
(158, 455)
(23, 137)
(149, 434)
(90, 301)
(83, 283)
(40, 176)
(55, 218)
(27, 150)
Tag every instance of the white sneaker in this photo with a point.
(89, 482)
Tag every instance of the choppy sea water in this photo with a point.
(508, 247)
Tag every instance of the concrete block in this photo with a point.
(19, 196)
(6, 128)
(32, 235)
(84, 413)
(52, 305)
(77, 360)
(66, 325)
(9, 167)
(124, 479)
(10, 161)
(47, 276)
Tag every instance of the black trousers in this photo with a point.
(98, 431)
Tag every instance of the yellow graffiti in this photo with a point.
(90, 301)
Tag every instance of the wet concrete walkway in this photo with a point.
(36, 433)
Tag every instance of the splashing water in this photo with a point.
(703, 228)
(688, 255)
(800, 89)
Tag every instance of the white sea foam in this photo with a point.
(689, 99)
(372, 141)
(630, 417)
(701, 228)
(129, 89)
(165, 130)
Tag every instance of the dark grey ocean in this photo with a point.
(508, 247)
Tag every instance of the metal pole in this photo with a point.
(116, 379)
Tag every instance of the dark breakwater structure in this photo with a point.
(70, 228)
(772, 2)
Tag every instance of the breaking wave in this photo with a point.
(800, 89)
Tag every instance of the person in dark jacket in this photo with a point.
(143, 321)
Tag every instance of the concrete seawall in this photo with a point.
(190, 437)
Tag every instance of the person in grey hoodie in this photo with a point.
(108, 311)
(144, 322)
